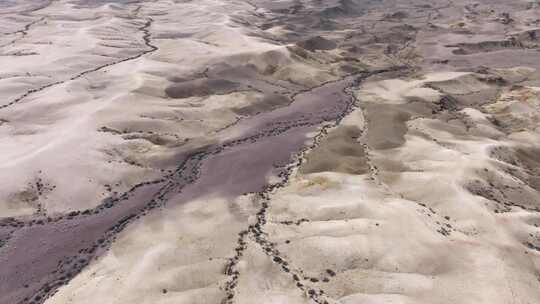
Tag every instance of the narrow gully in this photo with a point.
(57, 249)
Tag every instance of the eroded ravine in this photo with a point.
(146, 36)
(238, 163)
(70, 242)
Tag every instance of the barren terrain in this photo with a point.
(259, 151)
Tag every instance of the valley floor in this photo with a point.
(257, 151)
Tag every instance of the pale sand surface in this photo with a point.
(231, 151)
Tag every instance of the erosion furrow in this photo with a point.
(145, 29)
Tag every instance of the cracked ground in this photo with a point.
(258, 151)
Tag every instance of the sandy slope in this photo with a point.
(69, 116)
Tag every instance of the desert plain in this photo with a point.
(259, 151)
